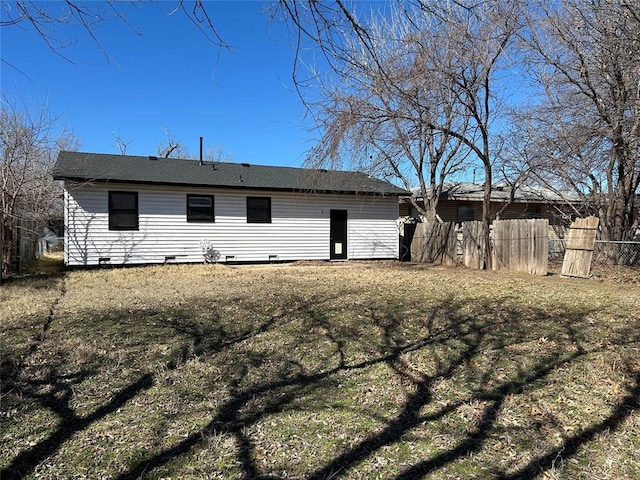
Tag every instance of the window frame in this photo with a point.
(113, 211)
(257, 214)
(190, 215)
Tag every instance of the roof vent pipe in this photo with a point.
(201, 162)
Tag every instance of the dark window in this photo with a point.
(532, 212)
(123, 210)
(465, 213)
(258, 210)
(200, 208)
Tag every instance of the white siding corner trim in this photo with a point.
(299, 229)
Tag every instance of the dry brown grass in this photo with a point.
(357, 370)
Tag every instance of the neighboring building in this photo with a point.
(134, 210)
(462, 202)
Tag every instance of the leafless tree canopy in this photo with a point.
(585, 55)
(84, 17)
(169, 146)
(121, 142)
(30, 139)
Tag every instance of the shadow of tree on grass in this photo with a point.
(469, 333)
(483, 348)
(54, 391)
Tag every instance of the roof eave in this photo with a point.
(232, 187)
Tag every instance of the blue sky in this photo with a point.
(163, 73)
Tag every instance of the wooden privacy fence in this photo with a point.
(521, 245)
(435, 242)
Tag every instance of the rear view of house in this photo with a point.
(134, 210)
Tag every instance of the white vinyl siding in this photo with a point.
(299, 229)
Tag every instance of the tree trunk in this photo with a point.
(8, 248)
(486, 220)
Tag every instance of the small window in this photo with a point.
(258, 210)
(465, 213)
(200, 208)
(123, 210)
(532, 212)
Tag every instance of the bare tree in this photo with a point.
(586, 57)
(215, 154)
(120, 142)
(415, 82)
(29, 142)
(169, 146)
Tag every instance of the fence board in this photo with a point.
(473, 245)
(450, 247)
(541, 248)
(582, 234)
(581, 241)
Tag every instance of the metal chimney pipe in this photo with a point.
(201, 162)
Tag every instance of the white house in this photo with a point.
(132, 210)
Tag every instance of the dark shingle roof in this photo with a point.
(466, 191)
(97, 167)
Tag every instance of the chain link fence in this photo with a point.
(610, 259)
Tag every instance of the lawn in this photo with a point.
(318, 371)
